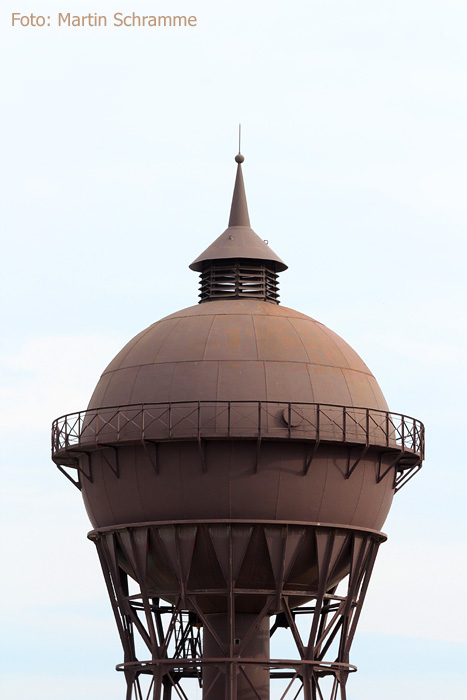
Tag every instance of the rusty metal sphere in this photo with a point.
(237, 351)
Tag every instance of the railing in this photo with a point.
(198, 420)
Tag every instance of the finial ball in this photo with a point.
(239, 158)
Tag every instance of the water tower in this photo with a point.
(237, 460)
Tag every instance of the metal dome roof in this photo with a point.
(238, 350)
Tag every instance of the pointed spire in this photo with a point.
(239, 241)
(239, 209)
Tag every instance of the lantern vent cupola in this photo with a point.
(239, 264)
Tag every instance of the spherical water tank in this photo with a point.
(248, 353)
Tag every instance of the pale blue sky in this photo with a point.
(117, 171)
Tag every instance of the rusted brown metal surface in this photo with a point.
(399, 439)
(237, 460)
(253, 573)
(231, 279)
(238, 350)
(239, 241)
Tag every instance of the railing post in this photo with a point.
(228, 417)
(367, 427)
(317, 421)
(344, 423)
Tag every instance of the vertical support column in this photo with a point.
(236, 681)
(167, 688)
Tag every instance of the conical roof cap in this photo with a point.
(239, 241)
